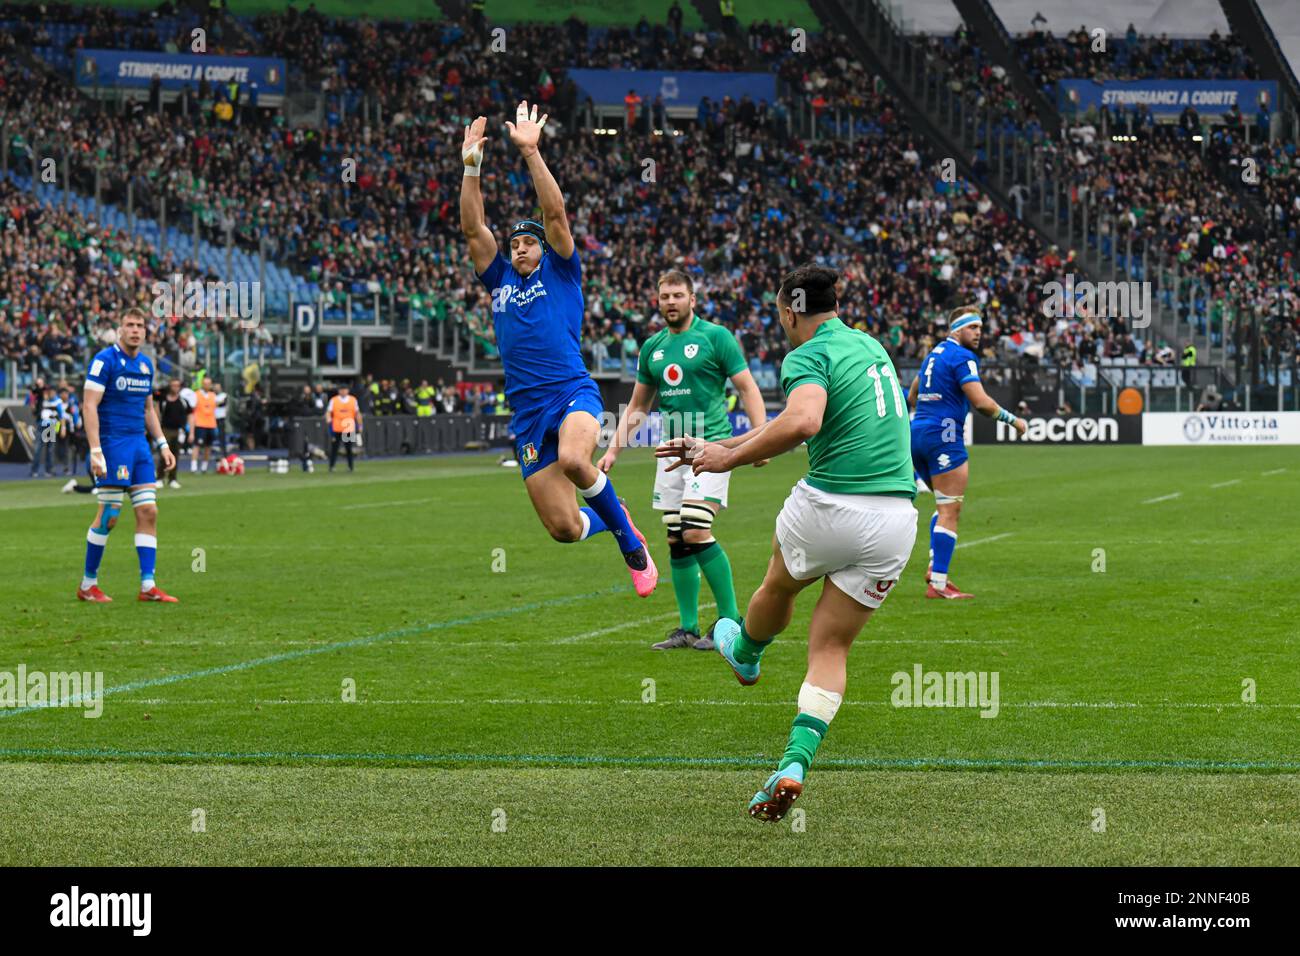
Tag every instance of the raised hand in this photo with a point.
(526, 130)
(471, 150)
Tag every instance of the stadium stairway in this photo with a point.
(211, 258)
(998, 44)
(709, 13)
(904, 63)
(1248, 23)
(400, 360)
(453, 9)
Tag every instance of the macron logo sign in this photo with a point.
(103, 909)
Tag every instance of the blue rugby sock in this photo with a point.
(591, 524)
(604, 502)
(934, 518)
(95, 544)
(146, 546)
(943, 542)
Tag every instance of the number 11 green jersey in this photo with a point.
(864, 446)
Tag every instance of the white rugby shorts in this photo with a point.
(674, 487)
(861, 542)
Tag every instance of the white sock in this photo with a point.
(194, 466)
(595, 489)
(146, 584)
(938, 581)
(88, 583)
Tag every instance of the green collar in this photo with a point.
(834, 323)
(694, 321)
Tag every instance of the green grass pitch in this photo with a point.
(519, 716)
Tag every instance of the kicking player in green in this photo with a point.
(850, 520)
(688, 363)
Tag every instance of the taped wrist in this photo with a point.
(473, 159)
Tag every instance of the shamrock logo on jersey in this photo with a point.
(673, 374)
(692, 350)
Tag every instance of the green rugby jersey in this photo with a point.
(690, 369)
(864, 446)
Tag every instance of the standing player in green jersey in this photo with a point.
(850, 520)
(688, 364)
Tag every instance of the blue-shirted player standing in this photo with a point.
(947, 387)
(120, 421)
(537, 312)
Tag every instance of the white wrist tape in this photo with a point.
(473, 159)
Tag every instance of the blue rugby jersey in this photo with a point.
(944, 371)
(538, 324)
(127, 384)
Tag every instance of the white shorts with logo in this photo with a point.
(861, 542)
(674, 487)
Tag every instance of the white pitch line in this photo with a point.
(996, 537)
(574, 638)
(1152, 501)
(388, 504)
(636, 700)
(1225, 484)
(789, 638)
(1275, 471)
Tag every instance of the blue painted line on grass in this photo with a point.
(577, 760)
(323, 649)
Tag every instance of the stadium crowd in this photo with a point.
(1081, 54)
(734, 199)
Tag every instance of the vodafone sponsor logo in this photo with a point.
(878, 590)
(673, 374)
(1063, 431)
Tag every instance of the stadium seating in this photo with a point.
(740, 197)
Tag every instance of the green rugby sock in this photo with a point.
(686, 588)
(806, 736)
(717, 569)
(747, 650)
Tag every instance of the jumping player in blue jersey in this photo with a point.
(537, 312)
(947, 387)
(121, 424)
